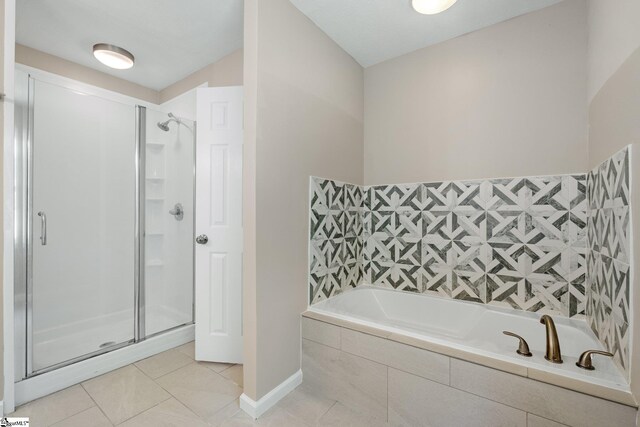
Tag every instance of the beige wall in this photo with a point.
(226, 71)
(53, 64)
(614, 118)
(614, 32)
(614, 77)
(307, 110)
(614, 113)
(507, 100)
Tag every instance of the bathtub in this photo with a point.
(473, 331)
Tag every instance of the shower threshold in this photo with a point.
(49, 382)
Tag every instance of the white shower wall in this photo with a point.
(169, 243)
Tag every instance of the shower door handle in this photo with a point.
(43, 228)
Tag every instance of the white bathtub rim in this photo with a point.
(578, 323)
(566, 370)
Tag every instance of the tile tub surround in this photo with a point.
(335, 248)
(608, 257)
(405, 384)
(519, 242)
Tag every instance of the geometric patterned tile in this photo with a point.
(615, 233)
(394, 198)
(545, 297)
(527, 278)
(469, 271)
(614, 181)
(578, 283)
(594, 238)
(558, 244)
(455, 269)
(395, 275)
(608, 240)
(529, 210)
(437, 273)
(336, 236)
(522, 242)
(619, 280)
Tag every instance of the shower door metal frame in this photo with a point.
(139, 283)
(23, 235)
(23, 226)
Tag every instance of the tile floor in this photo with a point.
(172, 389)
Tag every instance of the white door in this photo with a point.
(219, 218)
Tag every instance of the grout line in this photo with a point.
(544, 418)
(387, 418)
(95, 404)
(335, 402)
(166, 373)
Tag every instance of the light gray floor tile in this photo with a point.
(276, 417)
(216, 367)
(341, 416)
(305, 404)
(189, 349)
(200, 389)
(169, 413)
(56, 407)
(91, 417)
(163, 363)
(124, 393)
(234, 373)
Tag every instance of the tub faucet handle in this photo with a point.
(523, 348)
(584, 361)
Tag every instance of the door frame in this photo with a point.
(8, 403)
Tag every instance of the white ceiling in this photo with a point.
(169, 38)
(373, 31)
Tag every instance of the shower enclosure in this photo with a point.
(104, 230)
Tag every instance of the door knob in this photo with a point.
(202, 239)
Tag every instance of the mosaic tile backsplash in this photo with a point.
(553, 244)
(335, 248)
(608, 260)
(511, 242)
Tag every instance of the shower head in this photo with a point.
(165, 125)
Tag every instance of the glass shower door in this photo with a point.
(82, 216)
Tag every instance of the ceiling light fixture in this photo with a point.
(113, 56)
(431, 7)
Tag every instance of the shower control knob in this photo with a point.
(202, 239)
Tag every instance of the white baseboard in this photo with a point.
(256, 409)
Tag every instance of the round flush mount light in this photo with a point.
(431, 7)
(113, 56)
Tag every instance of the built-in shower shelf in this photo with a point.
(155, 178)
(155, 263)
